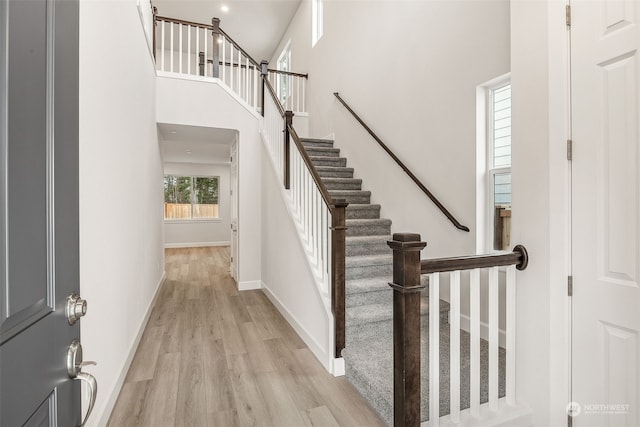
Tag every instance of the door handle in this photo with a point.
(74, 368)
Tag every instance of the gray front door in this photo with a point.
(38, 210)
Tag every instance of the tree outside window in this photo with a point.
(189, 197)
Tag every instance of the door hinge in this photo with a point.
(568, 15)
(569, 149)
(570, 286)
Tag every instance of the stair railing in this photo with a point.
(321, 219)
(291, 89)
(407, 269)
(411, 175)
(186, 47)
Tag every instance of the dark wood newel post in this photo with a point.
(263, 72)
(338, 237)
(215, 23)
(406, 328)
(201, 62)
(288, 121)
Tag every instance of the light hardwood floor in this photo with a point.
(213, 356)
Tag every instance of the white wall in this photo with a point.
(411, 70)
(121, 255)
(287, 277)
(215, 232)
(207, 103)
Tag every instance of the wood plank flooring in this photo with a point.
(213, 356)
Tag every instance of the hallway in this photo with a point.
(213, 356)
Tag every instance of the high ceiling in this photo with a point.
(256, 25)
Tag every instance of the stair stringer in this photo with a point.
(322, 351)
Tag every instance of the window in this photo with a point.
(499, 163)
(317, 18)
(190, 197)
(284, 81)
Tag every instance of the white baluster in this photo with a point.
(298, 93)
(494, 307)
(224, 59)
(180, 48)
(246, 81)
(189, 50)
(510, 345)
(197, 59)
(434, 350)
(255, 87)
(205, 40)
(172, 48)
(162, 47)
(304, 88)
(231, 66)
(454, 328)
(239, 71)
(474, 313)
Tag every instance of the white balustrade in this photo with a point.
(488, 281)
(291, 89)
(175, 48)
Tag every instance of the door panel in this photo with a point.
(606, 212)
(38, 210)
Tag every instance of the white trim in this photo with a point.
(195, 244)
(518, 415)
(316, 348)
(115, 392)
(250, 285)
(337, 367)
(192, 221)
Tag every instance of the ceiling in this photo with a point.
(195, 144)
(256, 25)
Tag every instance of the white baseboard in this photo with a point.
(316, 349)
(115, 392)
(465, 324)
(337, 368)
(195, 244)
(250, 285)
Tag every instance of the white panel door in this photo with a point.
(605, 76)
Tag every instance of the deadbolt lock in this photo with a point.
(76, 308)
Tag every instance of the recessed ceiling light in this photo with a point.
(224, 8)
(173, 132)
(188, 151)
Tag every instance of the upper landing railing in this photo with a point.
(185, 47)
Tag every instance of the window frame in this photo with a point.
(317, 21)
(284, 83)
(492, 170)
(487, 171)
(193, 201)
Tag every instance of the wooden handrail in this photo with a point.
(288, 73)
(208, 27)
(518, 256)
(411, 175)
(273, 95)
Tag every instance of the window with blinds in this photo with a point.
(499, 163)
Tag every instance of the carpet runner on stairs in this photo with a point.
(369, 341)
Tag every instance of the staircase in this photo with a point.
(368, 354)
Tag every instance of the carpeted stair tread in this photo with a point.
(328, 161)
(374, 284)
(367, 245)
(368, 227)
(366, 260)
(351, 196)
(323, 151)
(363, 210)
(308, 142)
(369, 367)
(334, 171)
(380, 312)
(342, 183)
